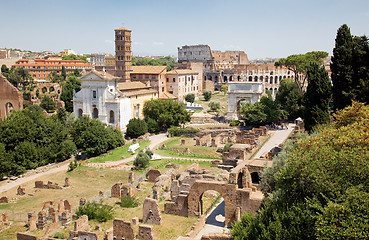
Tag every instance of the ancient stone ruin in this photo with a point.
(151, 212)
(145, 232)
(119, 190)
(4, 199)
(152, 174)
(49, 185)
(21, 191)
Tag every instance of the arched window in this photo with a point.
(266, 79)
(238, 78)
(271, 80)
(261, 78)
(225, 79)
(210, 78)
(271, 91)
(80, 112)
(111, 117)
(230, 78)
(8, 108)
(256, 78)
(216, 79)
(275, 91)
(51, 89)
(250, 79)
(95, 113)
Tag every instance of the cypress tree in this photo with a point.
(317, 97)
(341, 67)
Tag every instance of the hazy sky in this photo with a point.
(268, 28)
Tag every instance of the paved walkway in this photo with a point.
(278, 136)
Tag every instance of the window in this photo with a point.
(95, 113)
(174, 80)
(162, 89)
(94, 94)
(80, 112)
(111, 117)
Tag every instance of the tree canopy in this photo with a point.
(299, 63)
(289, 98)
(166, 112)
(320, 189)
(164, 61)
(73, 84)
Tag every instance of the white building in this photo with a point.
(181, 82)
(113, 103)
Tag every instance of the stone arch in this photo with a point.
(51, 89)
(250, 79)
(261, 78)
(95, 113)
(216, 79)
(210, 78)
(256, 78)
(44, 90)
(8, 108)
(275, 91)
(271, 80)
(238, 78)
(230, 78)
(239, 107)
(271, 90)
(80, 112)
(225, 79)
(227, 191)
(266, 79)
(111, 117)
(284, 77)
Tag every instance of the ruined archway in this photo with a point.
(8, 108)
(255, 178)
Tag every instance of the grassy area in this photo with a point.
(216, 97)
(118, 153)
(175, 149)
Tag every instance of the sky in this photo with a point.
(268, 28)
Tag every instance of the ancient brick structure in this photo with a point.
(151, 212)
(21, 190)
(81, 224)
(152, 174)
(123, 229)
(4, 199)
(82, 201)
(73, 235)
(26, 236)
(31, 221)
(131, 177)
(217, 236)
(67, 182)
(116, 190)
(119, 190)
(41, 220)
(145, 232)
(49, 185)
(10, 98)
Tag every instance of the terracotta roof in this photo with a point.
(139, 92)
(128, 85)
(107, 75)
(181, 72)
(123, 28)
(166, 95)
(148, 69)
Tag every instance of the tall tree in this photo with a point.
(317, 97)
(341, 67)
(289, 98)
(64, 73)
(299, 63)
(72, 84)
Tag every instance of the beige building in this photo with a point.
(10, 98)
(155, 76)
(181, 82)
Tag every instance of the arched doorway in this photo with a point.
(238, 109)
(95, 113)
(213, 205)
(8, 108)
(80, 112)
(111, 117)
(255, 178)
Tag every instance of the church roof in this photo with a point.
(148, 69)
(166, 95)
(128, 85)
(123, 28)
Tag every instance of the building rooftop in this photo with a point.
(123, 28)
(181, 72)
(128, 85)
(148, 69)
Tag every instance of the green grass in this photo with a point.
(118, 153)
(174, 149)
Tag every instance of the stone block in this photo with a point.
(151, 212)
(145, 232)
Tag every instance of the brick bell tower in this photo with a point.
(123, 53)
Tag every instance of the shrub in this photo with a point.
(73, 165)
(207, 95)
(60, 235)
(227, 147)
(128, 202)
(142, 160)
(149, 153)
(234, 123)
(190, 97)
(98, 211)
(174, 131)
(214, 106)
(152, 125)
(136, 127)
(48, 104)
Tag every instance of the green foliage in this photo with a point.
(128, 202)
(299, 64)
(97, 211)
(48, 104)
(317, 97)
(152, 125)
(214, 106)
(207, 95)
(350, 68)
(224, 89)
(234, 123)
(190, 97)
(73, 165)
(75, 57)
(93, 137)
(272, 109)
(19, 77)
(164, 61)
(227, 146)
(136, 127)
(166, 113)
(320, 190)
(28, 139)
(64, 73)
(72, 84)
(56, 78)
(4, 69)
(175, 131)
(149, 153)
(77, 73)
(142, 160)
(289, 98)
(60, 235)
(253, 114)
